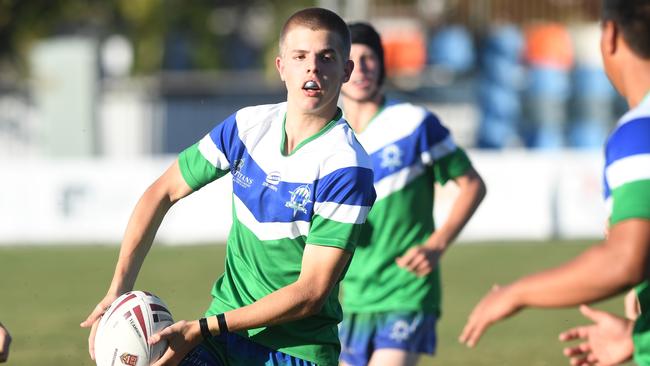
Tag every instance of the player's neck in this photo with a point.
(359, 113)
(637, 86)
(299, 126)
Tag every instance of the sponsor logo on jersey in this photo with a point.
(299, 199)
(129, 359)
(391, 157)
(272, 180)
(239, 177)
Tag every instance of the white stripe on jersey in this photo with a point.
(269, 230)
(334, 149)
(439, 150)
(210, 152)
(401, 120)
(396, 182)
(629, 169)
(347, 214)
(640, 111)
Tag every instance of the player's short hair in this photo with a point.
(319, 19)
(633, 18)
(364, 33)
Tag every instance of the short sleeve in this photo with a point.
(207, 160)
(343, 200)
(451, 166)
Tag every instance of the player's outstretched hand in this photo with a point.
(420, 260)
(498, 304)
(182, 337)
(607, 342)
(92, 321)
(5, 342)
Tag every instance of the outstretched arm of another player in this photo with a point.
(5, 342)
(322, 267)
(601, 271)
(421, 260)
(138, 237)
(607, 342)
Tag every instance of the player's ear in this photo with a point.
(279, 65)
(347, 69)
(609, 37)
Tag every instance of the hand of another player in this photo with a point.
(5, 341)
(182, 337)
(92, 321)
(607, 342)
(498, 304)
(420, 260)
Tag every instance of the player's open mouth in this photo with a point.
(311, 85)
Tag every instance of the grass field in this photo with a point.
(45, 292)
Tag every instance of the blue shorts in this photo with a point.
(362, 334)
(231, 349)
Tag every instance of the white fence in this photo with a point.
(531, 195)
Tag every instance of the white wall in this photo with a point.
(530, 196)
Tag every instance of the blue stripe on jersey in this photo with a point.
(629, 139)
(606, 191)
(429, 133)
(226, 137)
(347, 186)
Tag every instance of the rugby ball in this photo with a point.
(123, 333)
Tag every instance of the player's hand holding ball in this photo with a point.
(181, 338)
(93, 319)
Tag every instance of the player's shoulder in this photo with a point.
(407, 111)
(633, 127)
(340, 148)
(252, 116)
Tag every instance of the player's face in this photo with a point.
(313, 67)
(364, 81)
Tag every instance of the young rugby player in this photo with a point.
(302, 187)
(621, 261)
(391, 293)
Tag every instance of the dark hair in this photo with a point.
(364, 33)
(633, 18)
(316, 19)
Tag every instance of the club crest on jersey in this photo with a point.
(299, 199)
(391, 157)
(402, 330)
(129, 359)
(272, 180)
(239, 177)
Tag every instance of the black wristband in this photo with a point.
(221, 320)
(205, 331)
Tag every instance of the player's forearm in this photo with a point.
(472, 192)
(138, 237)
(590, 277)
(289, 303)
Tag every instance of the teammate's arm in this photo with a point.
(421, 260)
(138, 237)
(601, 271)
(322, 267)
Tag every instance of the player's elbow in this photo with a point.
(628, 270)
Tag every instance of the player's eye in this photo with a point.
(327, 57)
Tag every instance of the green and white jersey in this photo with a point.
(410, 150)
(319, 194)
(627, 193)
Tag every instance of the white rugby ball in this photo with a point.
(123, 333)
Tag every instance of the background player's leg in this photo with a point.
(397, 357)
